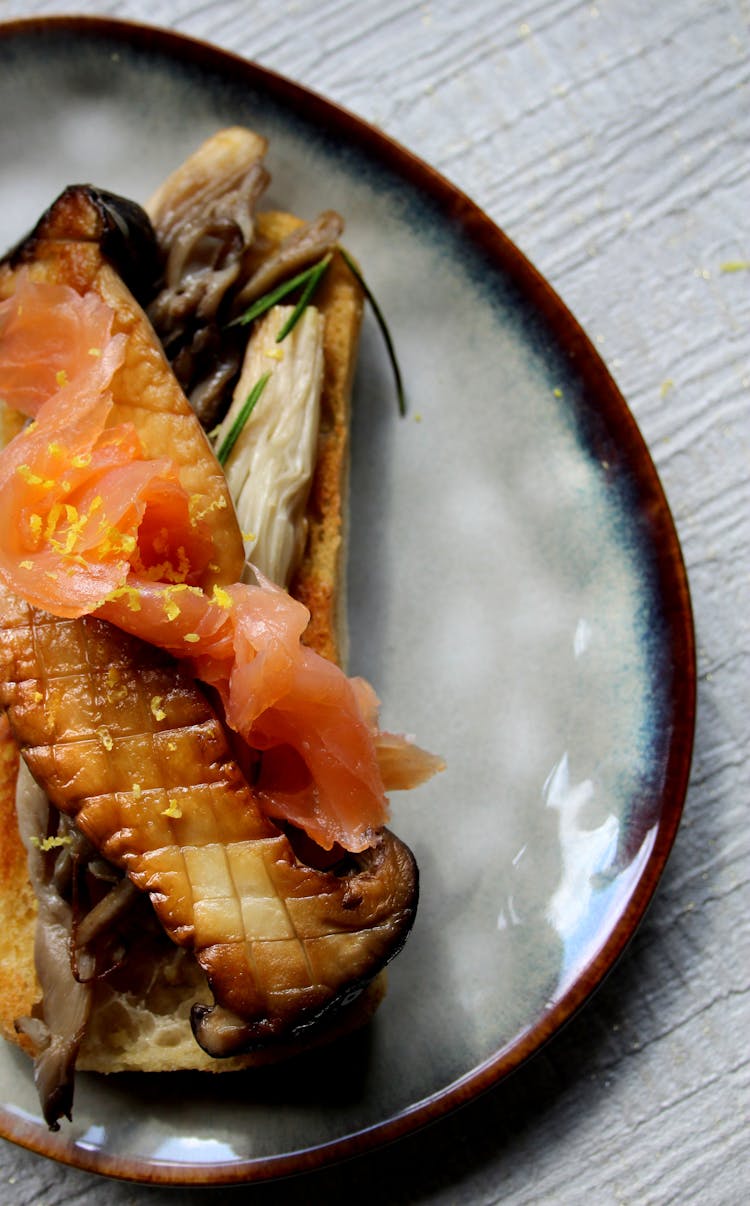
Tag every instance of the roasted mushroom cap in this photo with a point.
(381, 885)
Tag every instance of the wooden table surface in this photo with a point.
(611, 141)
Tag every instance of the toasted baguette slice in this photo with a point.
(145, 1026)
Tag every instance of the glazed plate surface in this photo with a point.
(516, 595)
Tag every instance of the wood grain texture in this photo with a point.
(610, 140)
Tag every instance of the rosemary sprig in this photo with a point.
(264, 303)
(380, 318)
(233, 434)
(314, 276)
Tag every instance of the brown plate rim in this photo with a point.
(672, 588)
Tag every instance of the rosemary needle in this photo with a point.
(268, 300)
(314, 275)
(380, 317)
(234, 432)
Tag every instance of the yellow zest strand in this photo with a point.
(33, 479)
(50, 843)
(221, 597)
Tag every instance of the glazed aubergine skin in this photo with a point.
(282, 943)
(119, 228)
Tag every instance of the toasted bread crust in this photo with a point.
(18, 983)
(150, 1030)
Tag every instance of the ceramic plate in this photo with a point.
(517, 597)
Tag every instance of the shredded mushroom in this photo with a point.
(204, 219)
(302, 247)
(57, 1026)
(203, 216)
(72, 948)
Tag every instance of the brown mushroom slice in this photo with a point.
(309, 242)
(59, 1021)
(159, 793)
(217, 170)
(204, 217)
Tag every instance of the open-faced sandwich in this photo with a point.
(195, 871)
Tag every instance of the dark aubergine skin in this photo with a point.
(121, 229)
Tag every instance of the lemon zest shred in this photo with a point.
(128, 592)
(221, 597)
(183, 563)
(33, 479)
(53, 518)
(50, 843)
(214, 504)
(171, 609)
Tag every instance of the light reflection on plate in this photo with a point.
(189, 1149)
(517, 598)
